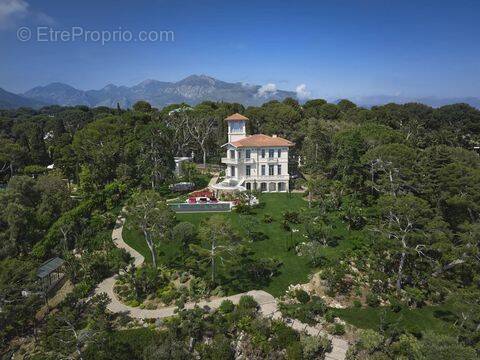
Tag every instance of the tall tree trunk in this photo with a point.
(204, 158)
(400, 266)
(151, 246)
(212, 254)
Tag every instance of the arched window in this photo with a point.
(272, 186)
(263, 186)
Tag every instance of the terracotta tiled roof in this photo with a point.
(261, 140)
(236, 117)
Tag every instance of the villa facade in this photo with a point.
(256, 162)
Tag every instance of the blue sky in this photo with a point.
(337, 48)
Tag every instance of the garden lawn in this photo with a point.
(294, 269)
(427, 318)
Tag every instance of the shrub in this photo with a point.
(357, 303)
(317, 305)
(329, 316)
(395, 305)
(258, 236)
(247, 302)
(315, 347)
(226, 307)
(168, 294)
(294, 351)
(283, 335)
(133, 303)
(292, 217)
(243, 209)
(267, 218)
(338, 329)
(302, 296)
(373, 300)
(370, 340)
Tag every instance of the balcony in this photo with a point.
(229, 161)
(237, 161)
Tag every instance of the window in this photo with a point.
(247, 170)
(281, 186)
(271, 170)
(271, 153)
(279, 153)
(232, 171)
(236, 126)
(232, 154)
(263, 153)
(263, 170)
(247, 154)
(279, 169)
(263, 186)
(248, 186)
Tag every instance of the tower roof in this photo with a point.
(236, 117)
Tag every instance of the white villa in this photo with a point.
(254, 162)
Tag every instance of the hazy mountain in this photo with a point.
(369, 101)
(192, 90)
(10, 100)
(59, 94)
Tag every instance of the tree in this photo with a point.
(12, 156)
(411, 224)
(142, 106)
(220, 240)
(392, 168)
(149, 213)
(184, 233)
(201, 129)
(156, 154)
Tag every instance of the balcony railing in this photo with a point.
(227, 160)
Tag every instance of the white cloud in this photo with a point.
(12, 11)
(267, 90)
(302, 92)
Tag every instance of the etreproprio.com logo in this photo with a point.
(78, 33)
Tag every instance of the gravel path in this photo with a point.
(268, 304)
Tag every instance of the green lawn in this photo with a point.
(294, 270)
(414, 320)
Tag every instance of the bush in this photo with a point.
(243, 209)
(294, 351)
(283, 335)
(168, 294)
(247, 302)
(226, 307)
(329, 317)
(267, 218)
(258, 236)
(357, 303)
(133, 303)
(292, 217)
(315, 347)
(338, 329)
(373, 300)
(302, 296)
(395, 305)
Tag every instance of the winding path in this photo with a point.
(268, 304)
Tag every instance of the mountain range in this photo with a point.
(192, 90)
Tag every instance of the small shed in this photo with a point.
(51, 273)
